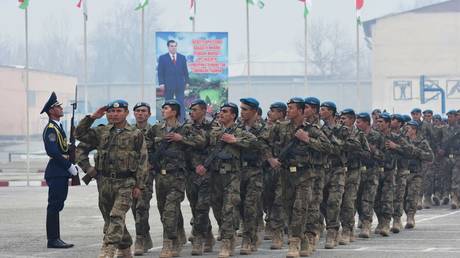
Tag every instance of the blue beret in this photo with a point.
(312, 101)
(329, 104)
(296, 100)
(416, 110)
(437, 117)
(413, 123)
(452, 112)
(398, 117)
(231, 105)
(385, 116)
(252, 102)
(406, 118)
(52, 102)
(141, 104)
(198, 102)
(279, 105)
(171, 102)
(348, 111)
(364, 116)
(428, 111)
(376, 111)
(119, 103)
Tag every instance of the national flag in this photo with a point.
(141, 5)
(82, 5)
(307, 7)
(192, 9)
(260, 3)
(359, 6)
(23, 4)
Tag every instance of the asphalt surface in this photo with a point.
(22, 230)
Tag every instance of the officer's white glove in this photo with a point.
(73, 169)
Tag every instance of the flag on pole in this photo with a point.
(307, 7)
(192, 9)
(359, 6)
(141, 5)
(82, 5)
(260, 3)
(23, 4)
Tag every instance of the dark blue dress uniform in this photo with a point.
(56, 175)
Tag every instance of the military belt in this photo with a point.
(117, 175)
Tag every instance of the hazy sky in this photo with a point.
(274, 29)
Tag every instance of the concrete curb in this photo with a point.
(20, 183)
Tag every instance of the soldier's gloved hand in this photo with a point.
(200, 170)
(73, 169)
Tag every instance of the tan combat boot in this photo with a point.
(232, 245)
(365, 229)
(345, 237)
(209, 243)
(305, 249)
(197, 245)
(293, 251)
(176, 247)
(166, 252)
(147, 243)
(312, 240)
(245, 247)
(330, 239)
(103, 251)
(454, 199)
(225, 248)
(427, 202)
(110, 251)
(139, 247)
(124, 253)
(385, 230)
(277, 240)
(410, 223)
(396, 225)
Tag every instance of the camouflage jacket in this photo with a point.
(173, 156)
(145, 129)
(254, 157)
(312, 153)
(451, 140)
(403, 150)
(422, 152)
(338, 135)
(118, 151)
(357, 148)
(197, 154)
(228, 156)
(377, 147)
(426, 131)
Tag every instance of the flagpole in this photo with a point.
(142, 55)
(248, 45)
(194, 16)
(27, 95)
(358, 81)
(306, 53)
(85, 53)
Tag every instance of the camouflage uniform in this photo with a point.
(121, 163)
(451, 146)
(441, 166)
(357, 148)
(401, 175)
(251, 181)
(170, 177)
(370, 178)
(426, 131)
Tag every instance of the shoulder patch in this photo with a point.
(52, 137)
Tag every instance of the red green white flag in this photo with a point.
(192, 9)
(82, 5)
(307, 7)
(141, 5)
(359, 6)
(23, 4)
(260, 3)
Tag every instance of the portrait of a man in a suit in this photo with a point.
(173, 75)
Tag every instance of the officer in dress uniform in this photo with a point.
(58, 171)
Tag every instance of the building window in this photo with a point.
(402, 90)
(453, 89)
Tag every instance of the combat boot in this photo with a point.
(139, 247)
(436, 200)
(232, 245)
(385, 230)
(268, 233)
(379, 226)
(330, 239)
(410, 223)
(365, 229)
(445, 200)
(124, 253)
(225, 248)
(147, 243)
(245, 247)
(197, 245)
(110, 251)
(396, 225)
(103, 251)
(277, 240)
(312, 240)
(166, 252)
(427, 202)
(352, 235)
(454, 200)
(209, 242)
(345, 237)
(256, 243)
(305, 249)
(293, 251)
(176, 247)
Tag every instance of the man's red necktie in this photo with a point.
(174, 59)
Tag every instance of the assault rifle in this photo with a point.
(155, 158)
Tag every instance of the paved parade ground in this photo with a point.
(22, 230)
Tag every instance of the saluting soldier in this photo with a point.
(57, 172)
(121, 164)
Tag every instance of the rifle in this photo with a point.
(154, 159)
(213, 155)
(286, 151)
(72, 147)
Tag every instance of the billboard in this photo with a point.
(206, 55)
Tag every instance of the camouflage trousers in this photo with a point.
(115, 199)
(428, 180)
(455, 188)
(251, 187)
(383, 205)
(443, 177)
(399, 193)
(366, 193)
(348, 208)
(268, 195)
(198, 194)
(141, 208)
(314, 219)
(170, 190)
(414, 187)
(334, 186)
(225, 196)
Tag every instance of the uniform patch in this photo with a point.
(52, 137)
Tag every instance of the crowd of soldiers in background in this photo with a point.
(305, 170)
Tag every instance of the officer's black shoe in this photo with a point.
(58, 243)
